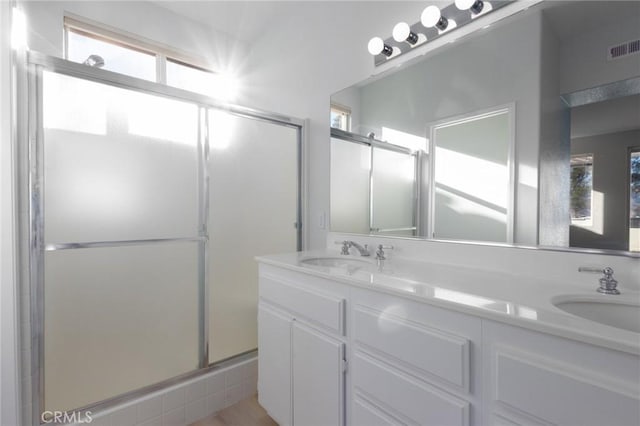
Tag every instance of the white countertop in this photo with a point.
(508, 298)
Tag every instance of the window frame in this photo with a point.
(586, 221)
(162, 53)
(343, 110)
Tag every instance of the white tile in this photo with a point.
(196, 410)
(196, 390)
(174, 418)
(234, 376)
(215, 383)
(156, 421)
(234, 394)
(173, 399)
(125, 416)
(149, 408)
(216, 402)
(104, 420)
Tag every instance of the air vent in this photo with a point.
(624, 49)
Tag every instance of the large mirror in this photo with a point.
(524, 132)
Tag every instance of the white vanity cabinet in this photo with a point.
(412, 363)
(533, 378)
(301, 349)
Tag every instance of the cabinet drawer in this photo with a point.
(323, 310)
(560, 394)
(366, 415)
(406, 397)
(414, 346)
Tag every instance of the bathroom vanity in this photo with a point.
(345, 341)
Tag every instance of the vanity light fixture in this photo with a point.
(432, 17)
(475, 6)
(402, 32)
(377, 46)
(433, 23)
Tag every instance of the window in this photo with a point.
(581, 188)
(117, 57)
(97, 46)
(340, 117)
(195, 79)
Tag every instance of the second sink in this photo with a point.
(618, 313)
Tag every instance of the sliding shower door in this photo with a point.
(148, 205)
(120, 190)
(393, 192)
(253, 173)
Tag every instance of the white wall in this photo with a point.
(9, 396)
(584, 57)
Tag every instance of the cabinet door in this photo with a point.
(318, 378)
(274, 364)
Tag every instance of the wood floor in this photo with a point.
(245, 413)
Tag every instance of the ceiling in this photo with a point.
(568, 20)
(244, 20)
(249, 20)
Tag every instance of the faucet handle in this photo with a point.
(345, 246)
(380, 252)
(608, 284)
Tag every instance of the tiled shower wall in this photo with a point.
(187, 402)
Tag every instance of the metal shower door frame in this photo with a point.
(32, 135)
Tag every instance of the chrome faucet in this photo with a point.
(346, 245)
(607, 283)
(380, 252)
(364, 251)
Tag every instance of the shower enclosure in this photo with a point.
(147, 206)
(374, 186)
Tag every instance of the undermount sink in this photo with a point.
(338, 262)
(620, 313)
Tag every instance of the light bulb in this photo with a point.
(401, 31)
(475, 5)
(430, 16)
(376, 45)
(464, 4)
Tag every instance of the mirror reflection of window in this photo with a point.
(581, 188)
(340, 117)
(634, 200)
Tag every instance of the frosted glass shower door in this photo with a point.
(253, 175)
(350, 180)
(120, 204)
(393, 191)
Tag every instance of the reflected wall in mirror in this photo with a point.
(570, 71)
